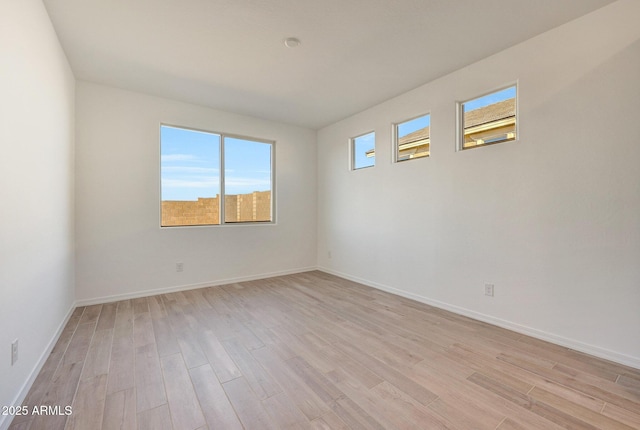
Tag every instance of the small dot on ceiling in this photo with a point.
(291, 42)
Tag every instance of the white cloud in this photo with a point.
(240, 185)
(205, 182)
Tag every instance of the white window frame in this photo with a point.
(221, 204)
(460, 118)
(396, 139)
(352, 151)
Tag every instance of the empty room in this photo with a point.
(338, 214)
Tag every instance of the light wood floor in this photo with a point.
(316, 351)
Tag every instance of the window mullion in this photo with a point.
(222, 175)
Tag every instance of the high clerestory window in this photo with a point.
(205, 174)
(488, 119)
(412, 138)
(363, 151)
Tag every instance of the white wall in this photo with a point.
(36, 192)
(552, 220)
(122, 251)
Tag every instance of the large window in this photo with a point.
(204, 175)
(488, 119)
(363, 151)
(412, 138)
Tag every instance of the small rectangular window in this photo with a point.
(412, 138)
(204, 174)
(247, 180)
(488, 119)
(363, 151)
(190, 176)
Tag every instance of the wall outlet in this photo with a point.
(488, 290)
(329, 255)
(179, 267)
(14, 352)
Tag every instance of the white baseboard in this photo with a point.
(156, 291)
(529, 331)
(634, 362)
(5, 421)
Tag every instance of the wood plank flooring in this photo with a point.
(314, 351)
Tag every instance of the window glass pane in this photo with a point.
(364, 151)
(413, 138)
(489, 119)
(190, 177)
(247, 183)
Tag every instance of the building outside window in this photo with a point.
(412, 138)
(488, 119)
(205, 174)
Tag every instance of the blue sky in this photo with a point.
(190, 164)
(361, 145)
(498, 96)
(247, 166)
(410, 126)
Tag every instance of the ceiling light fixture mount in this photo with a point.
(292, 42)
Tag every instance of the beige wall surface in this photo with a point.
(550, 219)
(121, 248)
(36, 173)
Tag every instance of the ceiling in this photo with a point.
(230, 55)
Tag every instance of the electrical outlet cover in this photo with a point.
(488, 290)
